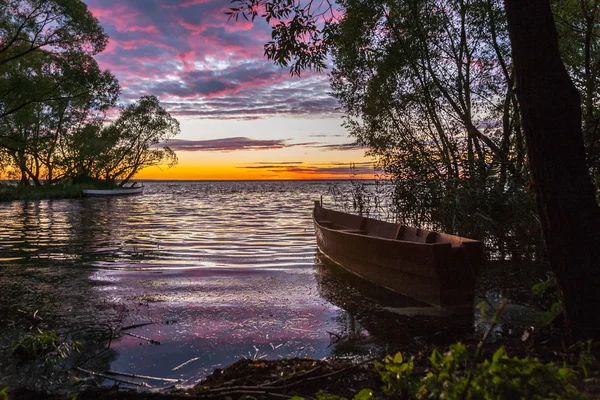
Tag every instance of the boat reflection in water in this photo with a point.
(379, 319)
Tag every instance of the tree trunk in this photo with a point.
(551, 112)
(22, 162)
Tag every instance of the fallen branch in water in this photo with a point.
(151, 378)
(100, 375)
(276, 386)
(185, 363)
(137, 326)
(141, 337)
(288, 378)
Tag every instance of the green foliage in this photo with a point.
(397, 375)
(457, 375)
(420, 107)
(504, 377)
(135, 140)
(428, 88)
(43, 345)
(50, 84)
(302, 32)
(364, 394)
(4, 394)
(28, 25)
(585, 359)
(546, 291)
(546, 287)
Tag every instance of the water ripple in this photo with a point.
(173, 225)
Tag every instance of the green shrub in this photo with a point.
(46, 345)
(364, 394)
(546, 292)
(397, 375)
(585, 359)
(502, 377)
(457, 375)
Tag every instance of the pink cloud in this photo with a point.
(147, 29)
(187, 59)
(199, 63)
(185, 4)
(196, 29)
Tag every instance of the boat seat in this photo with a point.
(418, 235)
(380, 229)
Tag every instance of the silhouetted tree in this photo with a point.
(135, 140)
(304, 33)
(551, 112)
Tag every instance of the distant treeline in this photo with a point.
(54, 100)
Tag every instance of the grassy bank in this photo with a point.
(56, 191)
(11, 193)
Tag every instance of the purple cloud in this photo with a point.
(341, 169)
(199, 64)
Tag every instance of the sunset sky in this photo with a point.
(241, 116)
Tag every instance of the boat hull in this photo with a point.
(113, 192)
(440, 274)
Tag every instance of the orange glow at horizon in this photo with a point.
(296, 163)
(228, 172)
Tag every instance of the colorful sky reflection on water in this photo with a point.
(241, 116)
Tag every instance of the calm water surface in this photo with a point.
(221, 270)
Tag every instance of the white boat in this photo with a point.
(113, 192)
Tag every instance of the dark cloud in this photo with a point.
(341, 147)
(229, 144)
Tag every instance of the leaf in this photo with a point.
(398, 358)
(436, 358)
(364, 394)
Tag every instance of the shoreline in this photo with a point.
(328, 378)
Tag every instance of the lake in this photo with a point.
(189, 277)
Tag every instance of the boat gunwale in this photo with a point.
(465, 240)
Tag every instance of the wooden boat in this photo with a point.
(113, 192)
(435, 268)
